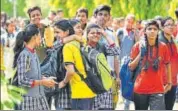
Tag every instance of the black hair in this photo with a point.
(84, 10)
(3, 14)
(59, 10)
(155, 64)
(9, 22)
(73, 22)
(90, 26)
(23, 37)
(101, 8)
(176, 12)
(152, 22)
(166, 19)
(65, 26)
(53, 12)
(33, 9)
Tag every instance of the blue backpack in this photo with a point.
(128, 78)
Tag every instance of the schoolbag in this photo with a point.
(14, 80)
(120, 35)
(53, 66)
(128, 78)
(99, 78)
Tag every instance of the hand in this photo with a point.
(62, 84)
(118, 82)
(167, 88)
(48, 82)
(78, 38)
(103, 33)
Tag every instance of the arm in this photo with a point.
(69, 64)
(137, 53)
(116, 66)
(71, 38)
(133, 64)
(69, 74)
(169, 76)
(107, 37)
(23, 67)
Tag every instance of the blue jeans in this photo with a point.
(82, 104)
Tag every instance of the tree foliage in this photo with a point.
(143, 9)
(7, 6)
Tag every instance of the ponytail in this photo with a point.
(19, 46)
(22, 38)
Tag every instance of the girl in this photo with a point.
(63, 29)
(28, 70)
(94, 33)
(166, 37)
(149, 89)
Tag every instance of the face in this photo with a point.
(78, 29)
(102, 17)
(51, 16)
(35, 17)
(152, 32)
(168, 27)
(37, 39)
(138, 25)
(82, 17)
(130, 23)
(94, 35)
(115, 24)
(11, 28)
(60, 15)
(60, 34)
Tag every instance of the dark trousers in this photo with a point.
(143, 101)
(82, 104)
(49, 100)
(170, 97)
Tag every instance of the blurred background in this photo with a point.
(142, 9)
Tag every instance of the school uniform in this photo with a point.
(28, 70)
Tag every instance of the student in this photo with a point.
(46, 32)
(102, 16)
(28, 70)
(82, 15)
(166, 37)
(149, 88)
(81, 99)
(64, 33)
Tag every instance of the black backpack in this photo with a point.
(53, 66)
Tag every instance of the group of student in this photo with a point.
(153, 45)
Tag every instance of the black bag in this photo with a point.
(94, 79)
(53, 66)
(14, 80)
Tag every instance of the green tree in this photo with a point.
(7, 6)
(143, 9)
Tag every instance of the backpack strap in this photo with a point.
(85, 61)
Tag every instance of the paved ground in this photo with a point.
(120, 106)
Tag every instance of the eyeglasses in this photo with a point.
(169, 25)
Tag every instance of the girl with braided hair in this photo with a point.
(149, 88)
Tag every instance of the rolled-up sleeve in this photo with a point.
(23, 66)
